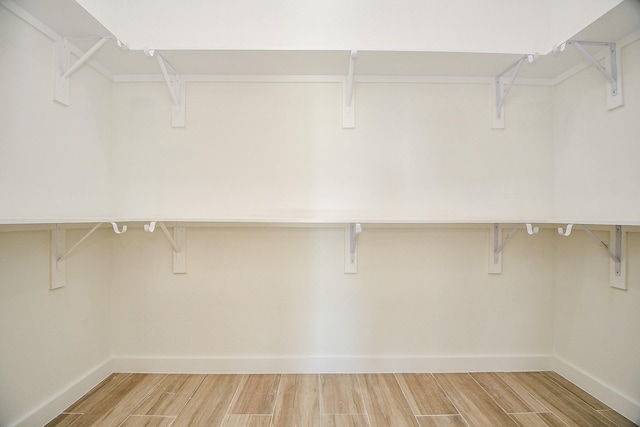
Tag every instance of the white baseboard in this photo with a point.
(51, 408)
(598, 389)
(238, 365)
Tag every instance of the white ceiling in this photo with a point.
(69, 19)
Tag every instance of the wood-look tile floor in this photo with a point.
(527, 399)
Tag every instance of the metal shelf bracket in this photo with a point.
(177, 241)
(500, 97)
(63, 70)
(618, 261)
(497, 244)
(176, 86)
(59, 254)
(351, 233)
(348, 94)
(610, 71)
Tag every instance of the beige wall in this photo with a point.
(54, 159)
(597, 328)
(282, 292)
(596, 177)
(277, 150)
(50, 339)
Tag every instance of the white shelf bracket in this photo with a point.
(58, 254)
(177, 242)
(496, 246)
(58, 277)
(62, 69)
(348, 95)
(351, 233)
(618, 259)
(176, 86)
(500, 96)
(611, 71)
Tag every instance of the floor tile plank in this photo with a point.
(544, 419)
(504, 395)
(384, 401)
(244, 420)
(256, 395)
(170, 396)
(563, 403)
(297, 402)
(425, 395)
(474, 404)
(340, 394)
(343, 420)
(441, 421)
(527, 397)
(147, 421)
(116, 406)
(210, 402)
(63, 420)
(617, 418)
(580, 393)
(97, 394)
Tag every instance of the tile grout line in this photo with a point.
(530, 394)
(571, 391)
(320, 398)
(196, 388)
(233, 398)
(364, 404)
(404, 395)
(491, 397)
(275, 400)
(144, 398)
(450, 400)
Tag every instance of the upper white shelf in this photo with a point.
(68, 18)
(8, 224)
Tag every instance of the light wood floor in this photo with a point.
(525, 399)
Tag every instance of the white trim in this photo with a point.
(330, 364)
(276, 78)
(65, 396)
(598, 389)
(53, 36)
(15, 224)
(31, 20)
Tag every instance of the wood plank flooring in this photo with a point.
(527, 399)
